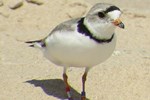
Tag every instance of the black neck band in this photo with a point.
(84, 30)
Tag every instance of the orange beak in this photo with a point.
(118, 23)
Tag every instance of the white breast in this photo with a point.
(77, 50)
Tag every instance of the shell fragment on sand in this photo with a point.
(14, 4)
(1, 3)
(38, 2)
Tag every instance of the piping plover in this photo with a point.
(82, 42)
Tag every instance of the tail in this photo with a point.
(37, 43)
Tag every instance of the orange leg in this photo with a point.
(65, 77)
(83, 93)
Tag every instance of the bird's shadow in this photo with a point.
(55, 87)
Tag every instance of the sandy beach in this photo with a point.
(26, 75)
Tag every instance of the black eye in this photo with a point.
(101, 14)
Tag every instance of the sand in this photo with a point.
(26, 75)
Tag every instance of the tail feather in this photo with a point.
(36, 43)
(31, 45)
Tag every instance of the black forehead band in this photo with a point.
(111, 8)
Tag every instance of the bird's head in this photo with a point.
(103, 17)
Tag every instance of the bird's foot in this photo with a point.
(70, 98)
(68, 93)
(83, 96)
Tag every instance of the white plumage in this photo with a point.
(82, 42)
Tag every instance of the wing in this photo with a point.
(69, 25)
(66, 26)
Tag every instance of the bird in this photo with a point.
(82, 42)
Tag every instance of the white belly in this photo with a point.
(77, 51)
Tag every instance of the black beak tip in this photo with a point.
(121, 25)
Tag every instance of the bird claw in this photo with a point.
(70, 98)
(83, 98)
